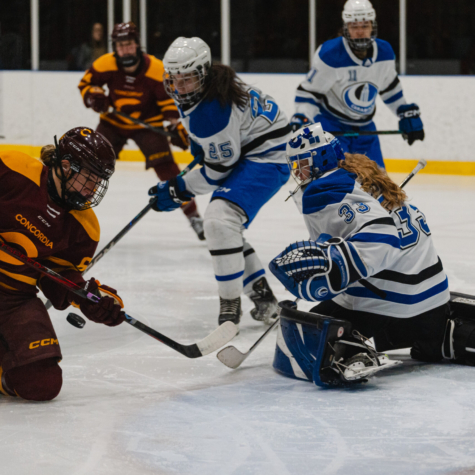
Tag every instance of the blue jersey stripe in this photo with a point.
(394, 98)
(375, 237)
(209, 180)
(253, 276)
(225, 278)
(397, 297)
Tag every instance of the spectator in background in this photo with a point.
(83, 57)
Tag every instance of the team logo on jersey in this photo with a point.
(321, 292)
(34, 230)
(361, 97)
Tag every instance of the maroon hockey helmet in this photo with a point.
(88, 149)
(125, 31)
(92, 163)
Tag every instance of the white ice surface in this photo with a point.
(130, 405)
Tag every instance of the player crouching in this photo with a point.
(373, 266)
(45, 211)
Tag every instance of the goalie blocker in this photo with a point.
(328, 352)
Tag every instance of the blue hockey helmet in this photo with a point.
(311, 152)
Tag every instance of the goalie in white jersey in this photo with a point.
(241, 134)
(370, 262)
(347, 74)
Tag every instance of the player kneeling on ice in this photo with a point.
(241, 135)
(45, 212)
(372, 265)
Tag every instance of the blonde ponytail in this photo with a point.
(48, 154)
(374, 180)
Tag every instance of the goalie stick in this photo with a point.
(127, 228)
(233, 358)
(215, 340)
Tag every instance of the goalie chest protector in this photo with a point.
(303, 342)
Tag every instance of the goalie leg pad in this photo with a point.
(324, 350)
(302, 349)
(459, 340)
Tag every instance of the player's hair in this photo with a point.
(47, 155)
(223, 84)
(374, 180)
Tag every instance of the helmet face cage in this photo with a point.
(194, 80)
(301, 168)
(82, 189)
(360, 44)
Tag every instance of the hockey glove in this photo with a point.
(182, 139)
(317, 272)
(108, 311)
(298, 121)
(97, 100)
(169, 195)
(410, 123)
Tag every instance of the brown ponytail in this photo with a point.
(374, 180)
(223, 84)
(48, 154)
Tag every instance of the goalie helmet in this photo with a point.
(187, 63)
(92, 162)
(358, 11)
(311, 152)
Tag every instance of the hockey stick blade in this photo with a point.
(233, 358)
(215, 340)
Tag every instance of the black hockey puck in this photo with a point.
(76, 320)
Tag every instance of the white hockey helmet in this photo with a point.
(311, 152)
(186, 62)
(355, 11)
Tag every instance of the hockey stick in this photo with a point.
(127, 228)
(215, 340)
(233, 358)
(143, 124)
(341, 133)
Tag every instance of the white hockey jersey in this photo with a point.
(397, 247)
(225, 135)
(346, 87)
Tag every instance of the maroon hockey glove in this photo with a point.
(182, 139)
(108, 311)
(97, 100)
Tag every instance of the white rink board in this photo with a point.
(37, 105)
(132, 406)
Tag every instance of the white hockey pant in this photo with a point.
(234, 260)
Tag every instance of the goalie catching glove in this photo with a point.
(107, 311)
(317, 272)
(169, 195)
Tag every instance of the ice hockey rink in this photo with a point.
(130, 405)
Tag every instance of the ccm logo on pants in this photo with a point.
(46, 342)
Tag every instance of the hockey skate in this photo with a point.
(197, 225)
(364, 365)
(266, 304)
(229, 310)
